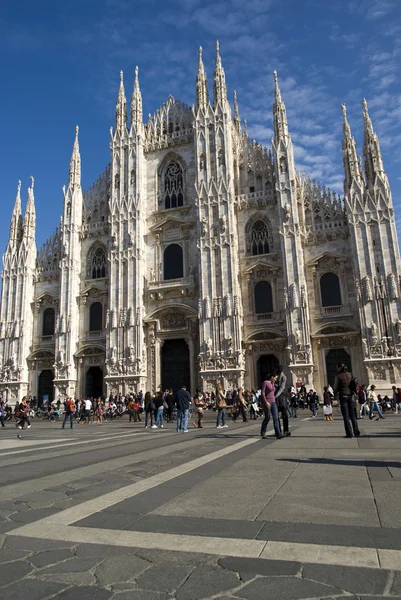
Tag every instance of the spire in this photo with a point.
(352, 167)
(219, 84)
(16, 219)
(279, 113)
(75, 162)
(202, 93)
(237, 118)
(371, 149)
(136, 103)
(29, 223)
(121, 107)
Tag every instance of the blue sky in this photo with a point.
(60, 64)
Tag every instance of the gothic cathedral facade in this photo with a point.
(199, 257)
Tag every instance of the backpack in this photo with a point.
(70, 405)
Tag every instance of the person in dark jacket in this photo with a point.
(182, 400)
(343, 387)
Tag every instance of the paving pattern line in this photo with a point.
(16, 490)
(90, 507)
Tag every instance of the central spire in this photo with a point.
(136, 103)
(219, 83)
(202, 93)
(121, 106)
(279, 113)
(75, 162)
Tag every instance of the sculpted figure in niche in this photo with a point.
(373, 330)
(397, 326)
(365, 348)
(204, 226)
(298, 339)
(209, 347)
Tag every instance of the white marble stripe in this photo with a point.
(90, 507)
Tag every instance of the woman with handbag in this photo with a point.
(199, 406)
(221, 405)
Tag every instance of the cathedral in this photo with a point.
(199, 256)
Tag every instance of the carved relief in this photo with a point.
(174, 320)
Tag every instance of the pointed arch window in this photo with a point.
(173, 186)
(98, 264)
(48, 322)
(96, 317)
(330, 290)
(259, 242)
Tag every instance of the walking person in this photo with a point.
(182, 400)
(221, 406)
(343, 387)
(270, 406)
(281, 399)
(268, 401)
(2, 413)
(373, 403)
(170, 405)
(131, 410)
(22, 414)
(69, 412)
(87, 409)
(199, 407)
(241, 407)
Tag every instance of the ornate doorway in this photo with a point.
(45, 387)
(333, 357)
(94, 382)
(267, 363)
(175, 367)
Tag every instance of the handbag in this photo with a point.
(327, 409)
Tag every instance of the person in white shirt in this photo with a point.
(88, 408)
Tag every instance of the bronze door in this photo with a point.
(175, 371)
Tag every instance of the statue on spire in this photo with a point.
(16, 218)
(202, 93)
(279, 113)
(136, 102)
(352, 165)
(75, 162)
(219, 83)
(121, 106)
(29, 224)
(371, 150)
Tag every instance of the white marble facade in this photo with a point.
(199, 256)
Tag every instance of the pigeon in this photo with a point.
(19, 436)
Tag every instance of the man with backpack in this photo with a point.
(69, 412)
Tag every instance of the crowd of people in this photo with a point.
(274, 401)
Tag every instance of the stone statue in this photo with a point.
(397, 325)
(207, 309)
(152, 274)
(223, 224)
(112, 355)
(204, 226)
(373, 329)
(298, 339)
(60, 358)
(229, 346)
(365, 348)
(209, 347)
(131, 353)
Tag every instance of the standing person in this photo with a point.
(312, 403)
(327, 404)
(159, 402)
(99, 411)
(170, 405)
(2, 413)
(268, 401)
(199, 406)
(221, 405)
(131, 410)
(362, 399)
(293, 402)
(182, 400)
(281, 399)
(69, 412)
(88, 408)
(241, 405)
(270, 406)
(373, 403)
(149, 409)
(342, 385)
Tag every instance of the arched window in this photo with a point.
(330, 290)
(98, 264)
(173, 186)
(263, 298)
(48, 321)
(259, 238)
(96, 317)
(173, 262)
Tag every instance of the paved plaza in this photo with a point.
(121, 512)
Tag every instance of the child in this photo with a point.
(328, 412)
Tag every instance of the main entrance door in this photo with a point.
(94, 382)
(175, 365)
(334, 357)
(45, 387)
(267, 363)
